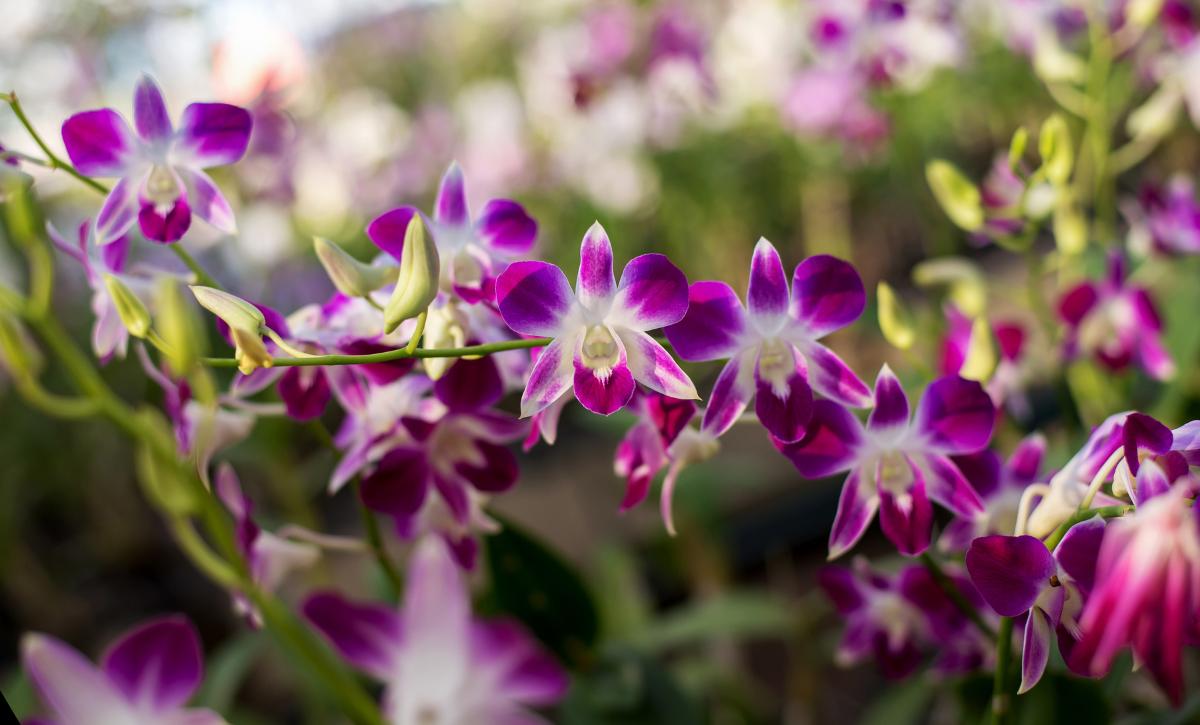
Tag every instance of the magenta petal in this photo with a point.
(207, 201)
(470, 384)
(652, 293)
(367, 636)
(784, 416)
(983, 470)
(1140, 432)
(398, 484)
(506, 227)
(115, 253)
(856, 507)
(767, 295)
(713, 325)
(70, 686)
(830, 443)
(1154, 357)
(158, 664)
(1151, 481)
(118, 213)
(842, 588)
(497, 472)
(956, 415)
(948, 487)
(1186, 440)
(150, 116)
(1036, 651)
(653, 366)
(639, 458)
(527, 674)
(213, 134)
(891, 404)
(730, 394)
(99, 143)
(1078, 551)
(451, 205)
(907, 519)
(1009, 571)
(833, 378)
(604, 393)
(1026, 459)
(387, 230)
(595, 284)
(305, 392)
(168, 226)
(533, 298)
(827, 294)
(1077, 302)
(552, 375)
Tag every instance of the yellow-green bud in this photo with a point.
(959, 198)
(178, 326)
(130, 307)
(1070, 228)
(350, 276)
(1054, 144)
(894, 319)
(235, 311)
(417, 283)
(980, 359)
(1016, 147)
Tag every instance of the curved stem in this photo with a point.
(947, 585)
(52, 159)
(202, 277)
(411, 347)
(59, 406)
(390, 355)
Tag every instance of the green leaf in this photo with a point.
(536, 586)
(732, 614)
(627, 688)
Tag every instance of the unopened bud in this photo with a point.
(1054, 144)
(980, 359)
(350, 276)
(130, 307)
(1070, 228)
(894, 319)
(178, 326)
(444, 328)
(235, 311)
(1016, 147)
(417, 284)
(957, 195)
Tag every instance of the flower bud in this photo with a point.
(444, 328)
(350, 276)
(980, 359)
(235, 311)
(894, 320)
(965, 281)
(1070, 228)
(1054, 144)
(1158, 115)
(130, 307)
(959, 198)
(178, 326)
(1016, 147)
(417, 284)
(18, 355)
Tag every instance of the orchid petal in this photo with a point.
(767, 295)
(118, 213)
(1077, 303)
(534, 298)
(891, 404)
(827, 294)
(604, 392)
(833, 378)
(1009, 571)
(72, 688)
(653, 366)
(367, 636)
(212, 134)
(1151, 481)
(451, 205)
(948, 487)
(956, 415)
(856, 508)
(470, 385)
(830, 443)
(595, 285)
(1036, 651)
(527, 674)
(552, 375)
(1078, 551)
(436, 619)
(1026, 459)
(100, 143)
(387, 230)
(907, 518)
(399, 483)
(731, 393)
(506, 227)
(150, 116)
(157, 665)
(652, 293)
(784, 410)
(305, 392)
(713, 326)
(207, 201)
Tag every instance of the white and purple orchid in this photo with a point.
(897, 465)
(160, 168)
(1000, 485)
(772, 345)
(438, 663)
(1115, 322)
(600, 347)
(110, 338)
(1018, 576)
(145, 678)
(472, 251)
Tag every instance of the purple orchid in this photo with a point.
(269, 557)
(437, 662)
(895, 463)
(145, 678)
(472, 252)
(1166, 218)
(642, 453)
(1000, 485)
(1017, 576)
(1115, 322)
(1147, 592)
(110, 338)
(160, 168)
(774, 356)
(897, 619)
(600, 346)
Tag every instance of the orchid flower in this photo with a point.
(1147, 592)
(1116, 322)
(600, 346)
(437, 662)
(773, 349)
(472, 252)
(145, 678)
(160, 168)
(1000, 485)
(1166, 219)
(895, 463)
(109, 336)
(1016, 575)
(642, 453)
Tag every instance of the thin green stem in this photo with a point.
(59, 406)
(952, 591)
(390, 355)
(202, 277)
(411, 347)
(1001, 698)
(375, 542)
(1104, 512)
(52, 159)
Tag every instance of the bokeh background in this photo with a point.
(689, 128)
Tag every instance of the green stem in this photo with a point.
(52, 159)
(1104, 512)
(411, 347)
(390, 355)
(947, 584)
(59, 406)
(375, 541)
(202, 277)
(1099, 129)
(1001, 699)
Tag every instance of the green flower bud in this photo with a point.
(959, 198)
(1054, 144)
(895, 321)
(417, 284)
(130, 307)
(1016, 147)
(1070, 228)
(179, 327)
(350, 276)
(246, 326)
(980, 359)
